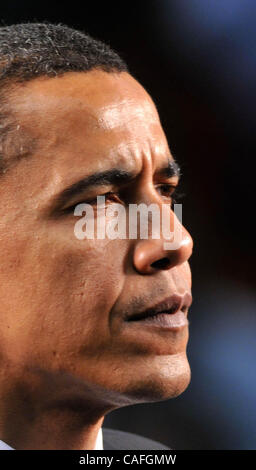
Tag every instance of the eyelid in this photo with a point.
(175, 195)
(171, 186)
(87, 200)
(116, 193)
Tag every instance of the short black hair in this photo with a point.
(31, 50)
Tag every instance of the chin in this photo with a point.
(166, 380)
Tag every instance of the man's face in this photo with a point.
(65, 301)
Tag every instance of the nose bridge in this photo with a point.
(169, 246)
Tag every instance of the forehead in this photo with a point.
(89, 119)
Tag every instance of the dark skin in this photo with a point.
(67, 355)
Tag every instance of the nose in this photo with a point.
(151, 255)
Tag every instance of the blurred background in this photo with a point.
(197, 59)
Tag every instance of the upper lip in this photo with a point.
(171, 305)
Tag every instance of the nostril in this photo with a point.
(162, 263)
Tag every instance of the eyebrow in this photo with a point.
(114, 176)
(170, 170)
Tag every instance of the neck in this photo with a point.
(50, 411)
(56, 430)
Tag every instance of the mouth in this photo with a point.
(171, 313)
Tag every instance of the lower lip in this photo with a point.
(167, 321)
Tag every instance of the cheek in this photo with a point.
(94, 267)
(63, 294)
(81, 286)
(187, 274)
(84, 277)
(182, 277)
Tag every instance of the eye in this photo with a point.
(171, 192)
(109, 196)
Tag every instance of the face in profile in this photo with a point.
(73, 311)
